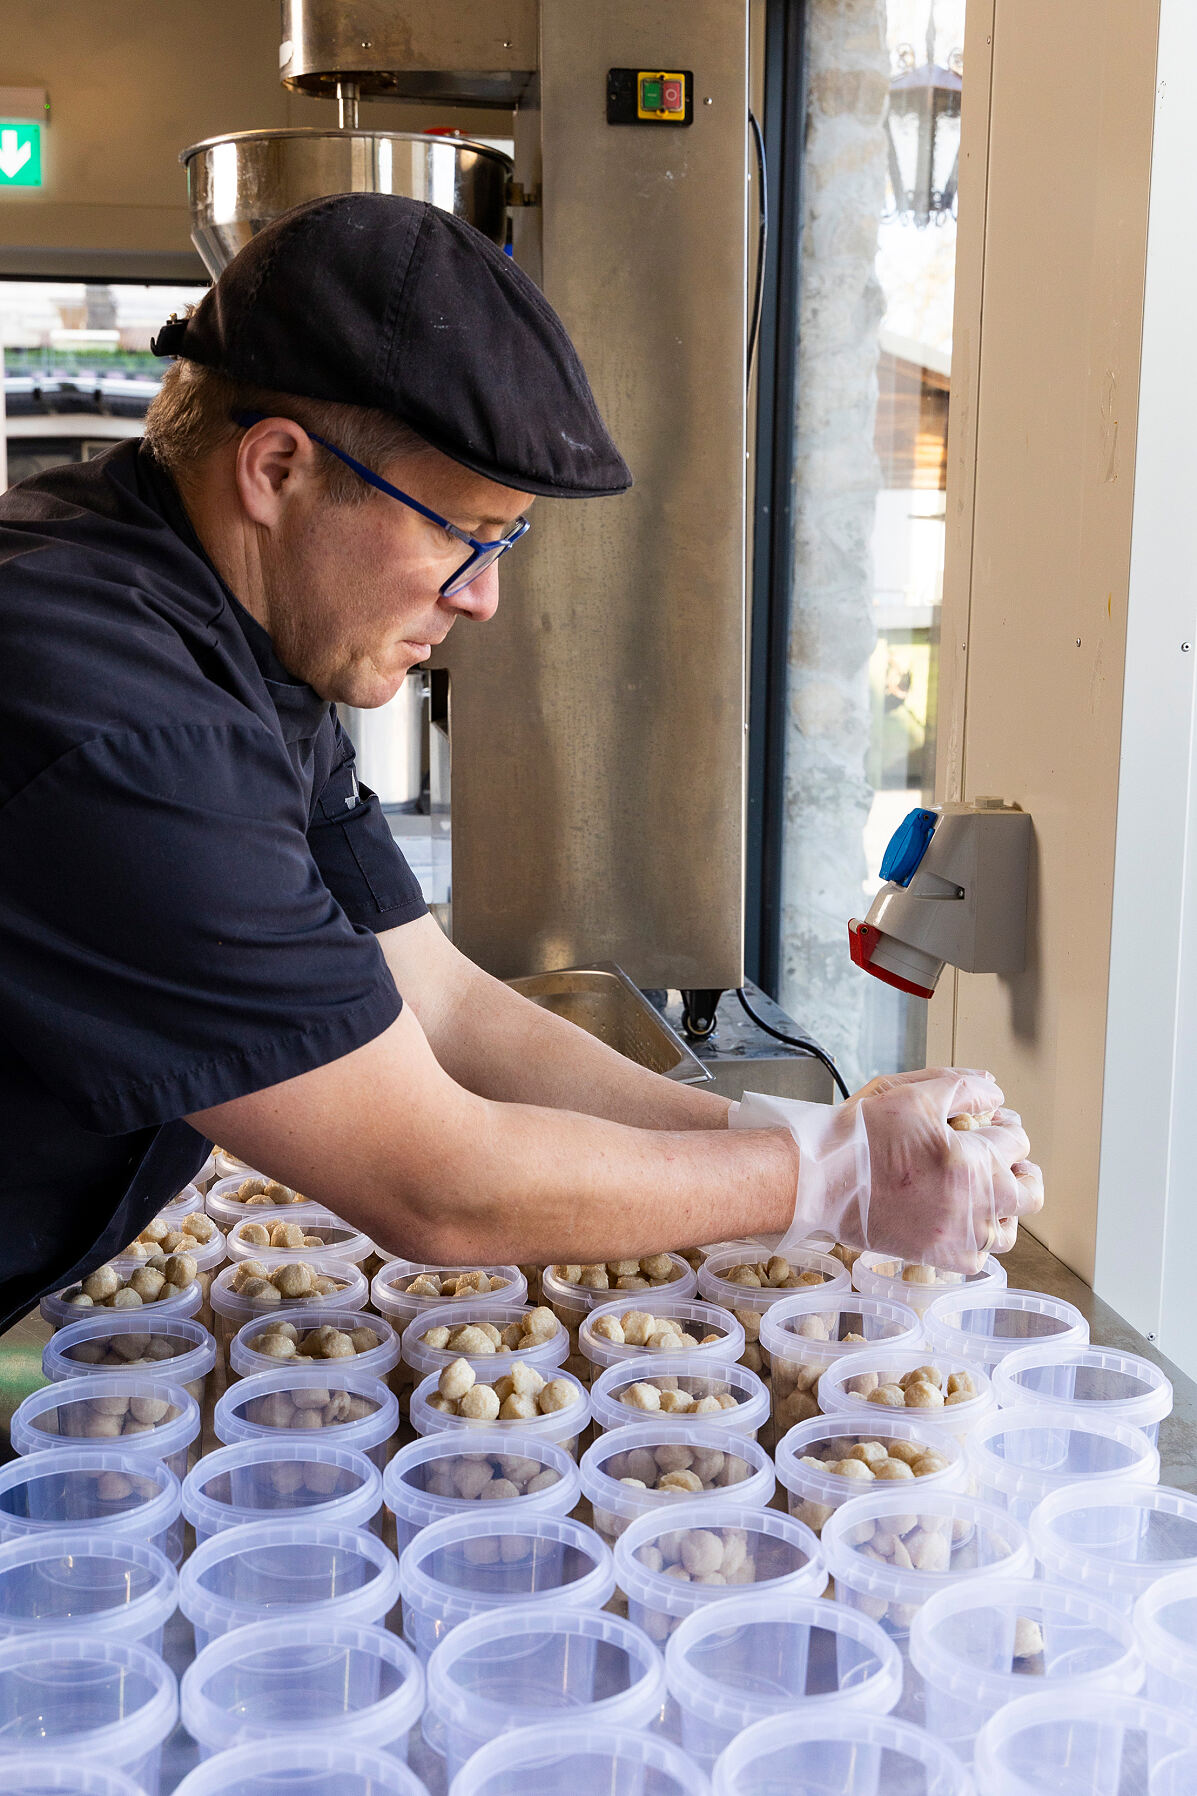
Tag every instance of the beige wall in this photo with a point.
(1049, 311)
(131, 83)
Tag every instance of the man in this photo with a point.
(206, 930)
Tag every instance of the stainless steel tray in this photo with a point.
(602, 1000)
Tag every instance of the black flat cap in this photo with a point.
(374, 300)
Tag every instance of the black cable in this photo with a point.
(762, 240)
(792, 1041)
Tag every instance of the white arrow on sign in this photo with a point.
(12, 159)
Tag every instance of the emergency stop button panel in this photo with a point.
(650, 97)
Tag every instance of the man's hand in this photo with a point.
(886, 1171)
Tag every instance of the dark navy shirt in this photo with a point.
(191, 876)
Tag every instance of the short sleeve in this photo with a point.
(167, 940)
(358, 857)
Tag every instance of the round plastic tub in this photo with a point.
(699, 1322)
(102, 1489)
(1076, 1743)
(844, 1388)
(571, 1303)
(1166, 1628)
(582, 1757)
(226, 1208)
(228, 1166)
(1019, 1456)
(273, 1571)
(186, 1201)
(291, 1680)
(390, 1301)
(802, 1337)
(477, 1564)
(112, 1588)
(987, 1325)
(176, 1350)
(881, 1275)
(108, 1701)
(284, 1480)
(1113, 1540)
(755, 1657)
(1097, 1381)
(742, 1468)
(949, 1537)
(699, 1379)
(743, 1546)
(264, 1407)
(340, 1241)
(749, 1303)
(206, 1174)
(980, 1645)
(376, 1362)
(163, 1418)
(561, 1426)
(816, 1492)
(528, 1665)
(59, 1312)
(316, 1767)
(424, 1359)
(441, 1477)
(43, 1773)
(209, 1256)
(837, 1754)
(231, 1311)
(1175, 1775)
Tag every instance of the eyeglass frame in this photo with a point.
(455, 583)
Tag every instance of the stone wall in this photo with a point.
(837, 478)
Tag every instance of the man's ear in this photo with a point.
(276, 458)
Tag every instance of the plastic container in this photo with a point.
(227, 1166)
(231, 1311)
(842, 1389)
(102, 1489)
(698, 1322)
(424, 1359)
(742, 1469)
(274, 1571)
(341, 1241)
(1175, 1775)
(1090, 1380)
(175, 1350)
(571, 1303)
(226, 1208)
(114, 1588)
(881, 1275)
(421, 1483)
(988, 1642)
(246, 1412)
(400, 1309)
(748, 1303)
(951, 1538)
(1077, 1743)
(1113, 1540)
(376, 1362)
(816, 1492)
(165, 1418)
(801, 1337)
(58, 1312)
(526, 1665)
(1165, 1619)
(477, 1564)
(296, 1680)
(755, 1657)
(837, 1754)
(586, 1758)
(756, 1547)
(563, 1427)
(38, 1774)
(316, 1767)
(699, 1378)
(283, 1480)
(1018, 1456)
(987, 1325)
(107, 1701)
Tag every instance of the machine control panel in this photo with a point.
(650, 97)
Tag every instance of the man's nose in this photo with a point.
(480, 599)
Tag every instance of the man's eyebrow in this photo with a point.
(502, 525)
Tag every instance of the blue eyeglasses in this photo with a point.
(481, 556)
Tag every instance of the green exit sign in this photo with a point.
(20, 154)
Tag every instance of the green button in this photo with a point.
(650, 95)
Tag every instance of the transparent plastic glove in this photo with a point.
(885, 1170)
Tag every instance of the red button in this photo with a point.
(671, 96)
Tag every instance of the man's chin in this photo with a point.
(365, 687)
